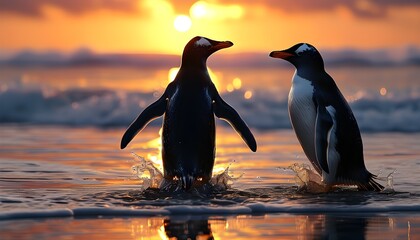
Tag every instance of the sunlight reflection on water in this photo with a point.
(50, 167)
(274, 226)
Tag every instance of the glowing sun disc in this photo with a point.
(182, 23)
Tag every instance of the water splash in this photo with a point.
(223, 180)
(147, 172)
(152, 177)
(310, 181)
(389, 179)
(307, 179)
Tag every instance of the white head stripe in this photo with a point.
(304, 47)
(202, 42)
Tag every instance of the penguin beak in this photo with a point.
(281, 54)
(220, 45)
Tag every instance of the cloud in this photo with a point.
(34, 8)
(361, 8)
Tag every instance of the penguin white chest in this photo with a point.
(302, 114)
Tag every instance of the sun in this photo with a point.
(182, 23)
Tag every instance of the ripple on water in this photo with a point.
(156, 191)
(217, 193)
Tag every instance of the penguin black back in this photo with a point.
(323, 121)
(189, 104)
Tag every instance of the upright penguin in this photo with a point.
(189, 104)
(323, 121)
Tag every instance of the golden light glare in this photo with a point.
(230, 88)
(219, 169)
(248, 95)
(214, 78)
(214, 11)
(237, 83)
(235, 11)
(182, 23)
(199, 9)
(383, 91)
(174, 71)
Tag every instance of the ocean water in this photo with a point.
(62, 174)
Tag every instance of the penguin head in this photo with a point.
(301, 55)
(198, 49)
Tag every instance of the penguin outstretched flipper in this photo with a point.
(224, 111)
(153, 111)
(189, 106)
(324, 124)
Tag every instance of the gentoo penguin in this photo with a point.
(323, 121)
(189, 104)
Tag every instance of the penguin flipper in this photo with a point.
(152, 112)
(224, 111)
(323, 125)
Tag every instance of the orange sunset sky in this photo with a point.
(155, 26)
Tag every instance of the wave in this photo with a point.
(408, 55)
(250, 208)
(264, 111)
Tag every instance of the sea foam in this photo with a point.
(240, 209)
